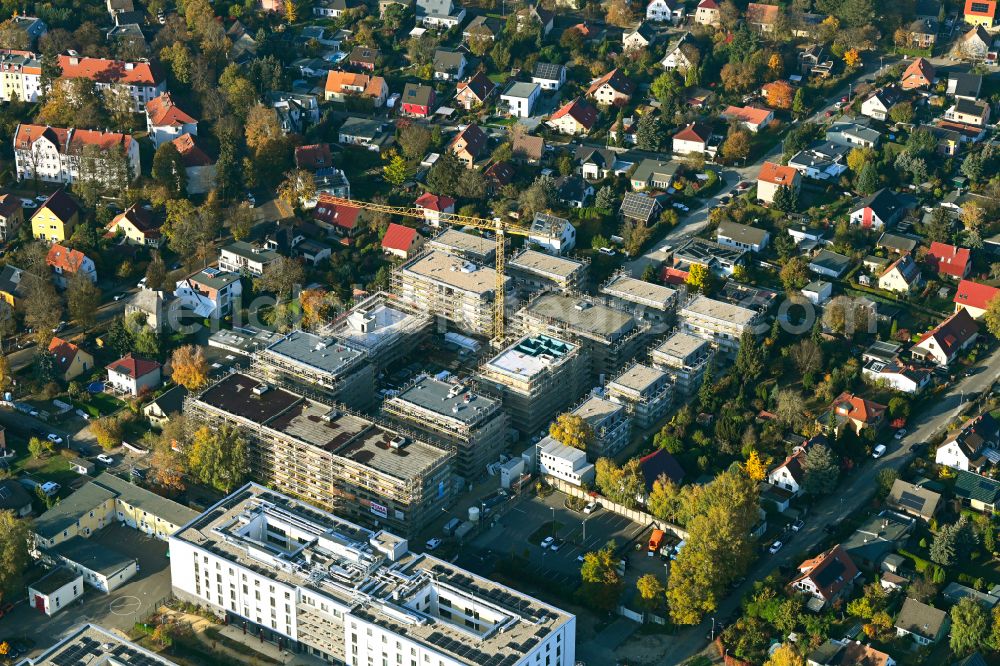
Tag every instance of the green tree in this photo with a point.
(942, 549)
(156, 273)
(795, 274)
(83, 298)
(664, 499)
(39, 448)
(820, 471)
(414, 140)
(992, 316)
(970, 627)
(605, 200)
(799, 102)
(867, 180)
(666, 87)
(602, 586)
(785, 199)
(396, 171)
(15, 535)
(885, 479)
(750, 358)
(902, 113)
(649, 134)
(622, 485)
(218, 457)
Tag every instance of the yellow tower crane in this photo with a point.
(497, 226)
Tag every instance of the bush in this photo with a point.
(919, 563)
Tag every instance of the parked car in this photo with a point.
(54, 438)
(119, 297)
(590, 508)
(798, 525)
(50, 488)
(42, 198)
(106, 459)
(433, 543)
(608, 251)
(879, 451)
(138, 473)
(900, 434)
(775, 547)
(556, 544)
(547, 541)
(29, 203)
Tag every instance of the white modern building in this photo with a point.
(316, 584)
(519, 100)
(719, 322)
(55, 590)
(209, 293)
(564, 462)
(553, 234)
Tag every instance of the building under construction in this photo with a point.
(385, 332)
(444, 285)
(611, 423)
(535, 271)
(645, 392)
(454, 414)
(330, 457)
(537, 377)
(473, 247)
(685, 358)
(652, 302)
(319, 366)
(610, 336)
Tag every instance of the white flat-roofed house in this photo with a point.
(246, 258)
(55, 591)
(553, 234)
(742, 236)
(564, 462)
(520, 98)
(549, 76)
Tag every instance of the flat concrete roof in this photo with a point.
(638, 378)
(455, 240)
(596, 410)
(531, 355)
(452, 271)
(446, 399)
(680, 345)
(547, 265)
(372, 324)
(581, 315)
(719, 310)
(639, 291)
(316, 353)
(96, 646)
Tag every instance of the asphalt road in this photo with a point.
(855, 491)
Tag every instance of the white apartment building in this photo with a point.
(245, 258)
(684, 357)
(316, 584)
(719, 322)
(53, 154)
(564, 462)
(552, 233)
(142, 80)
(20, 76)
(611, 423)
(644, 391)
(209, 293)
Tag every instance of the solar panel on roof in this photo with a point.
(911, 501)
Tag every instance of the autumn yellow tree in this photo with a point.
(736, 146)
(291, 11)
(785, 655)
(699, 278)
(6, 377)
(572, 430)
(652, 593)
(780, 94)
(755, 466)
(189, 367)
(108, 431)
(852, 58)
(315, 304)
(775, 65)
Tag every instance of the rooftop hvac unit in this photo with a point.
(260, 389)
(330, 415)
(582, 305)
(397, 442)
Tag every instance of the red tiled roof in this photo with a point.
(975, 295)
(64, 258)
(921, 71)
(110, 71)
(991, 8)
(708, 4)
(398, 237)
(777, 174)
(500, 173)
(830, 572)
(162, 111)
(746, 114)
(762, 14)
(580, 111)
(949, 259)
(696, 132)
(858, 408)
(191, 154)
(348, 83)
(139, 218)
(63, 352)
(313, 157)
(66, 138)
(435, 202)
(133, 367)
(336, 215)
(616, 79)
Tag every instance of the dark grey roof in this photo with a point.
(971, 107)
(171, 401)
(54, 579)
(13, 496)
(649, 168)
(831, 261)
(363, 127)
(913, 499)
(414, 93)
(547, 70)
(742, 233)
(964, 84)
(638, 206)
(129, 493)
(883, 203)
(71, 509)
(448, 61)
(897, 242)
(920, 619)
(93, 556)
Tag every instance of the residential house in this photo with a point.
(614, 88)
(942, 344)
(854, 132)
(849, 409)
(142, 80)
(981, 13)
(418, 100)
(475, 91)
(969, 112)
(742, 236)
(654, 174)
(897, 375)
(520, 98)
(56, 219)
(136, 226)
(924, 624)
(923, 32)
(482, 27)
(449, 65)
(877, 537)
(818, 292)
(469, 145)
(773, 176)
(974, 297)
(596, 163)
(826, 577)
(365, 133)
(920, 74)
(15, 498)
(682, 54)
(638, 38)
(972, 447)
(669, 11)
(878, 210)
(975, 45)
(902, 276)
(692, 140)
(917, 501)
(199, 167)
(11, 216)
(707, 13)
(660, 464)
(752, 118)
(159, 410)
(641, 207)
(964, 85)
(564, 462)
(949, 260)
(402, 241)
(762, 17)
(330, 8)
(295, 112)
(720, 259)
(67, 264)
(879, 102)
(813, 61)
(527, 148)
(133, 376)
(848, 653)
(341, 86)
(822, 160)
(313, 157)
(154, 306)
(549, 76)
(536, 14)
(553, 234)
(897, 243)
(52, 154)
(978, 492)
(829, 264)
(497, 175)
(246, 258)
(574, 117)
(165, 121)
(210, 293)
(70, 361)
(336, 218)
(439, 14)
(12, 288)
(789, 474)
(573, 191)
(433, 206)
(364, 57)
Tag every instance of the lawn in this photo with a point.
(100, 404)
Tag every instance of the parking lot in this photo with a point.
(578, 533)
(119, 610)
